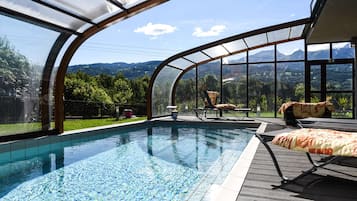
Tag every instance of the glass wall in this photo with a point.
(261, 89)
(234, 84)
(208, 79)
(290, 73)
(162, 89)
(265, 78)
(24, 49)
(186, 92)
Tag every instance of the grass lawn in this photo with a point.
(87, 123)
(6, 129)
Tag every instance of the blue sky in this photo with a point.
(178, 25)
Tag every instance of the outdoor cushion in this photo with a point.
(303, 110)
(319, 141)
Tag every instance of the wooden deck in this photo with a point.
(323, 185)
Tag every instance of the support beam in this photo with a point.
(354, 44)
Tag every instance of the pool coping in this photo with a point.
(230, 188)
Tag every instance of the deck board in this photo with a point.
(321, 185)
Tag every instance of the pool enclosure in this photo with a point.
(309, 60)
(47, 33)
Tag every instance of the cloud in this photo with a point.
(214, 31)
(155, 30)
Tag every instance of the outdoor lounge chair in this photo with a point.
(297, 110)
(331, 144)
(211, 104)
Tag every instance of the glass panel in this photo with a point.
(41, 12)
(278, 35)
(24, 49)
(318, 52)
(339, 77)
(130, 3)
(315, 76)
(181, 63)
(236, 58)
(216, 51)
(234, 84)
(186, 93)
(261, 89)
(290, 82)
(161, 92)
(208, 79)
(291, 51)
(315, 97)
(342, 51)
(297, 31)
(197, 57)
(89, 9)
(343, 103)
(235, 46)
(262, 54)
(256, 40)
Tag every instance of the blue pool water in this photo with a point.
(146, 163)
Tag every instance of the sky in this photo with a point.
(172, 27)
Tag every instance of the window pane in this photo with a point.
(315, 76)
(235, 46)
(89, 9)
(197, 57)
(41, 12)
(278, 35)
(290, 82)
(162, 88)
(186, 93)
(342, 51)
(262, 54)
(236, 58)
(208, 79)
(256, 40)
(261, 89)
(297, 31)
(234, 84)
(181, 63)
(216, 51)
(23, 52)
(318, 52)
(291, 51)
(343, 103)
(339, 77)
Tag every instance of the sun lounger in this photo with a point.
(211, 104)
(332, 144)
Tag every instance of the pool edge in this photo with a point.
(230, 188)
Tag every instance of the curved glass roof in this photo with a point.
(67, 15)
(239, 43)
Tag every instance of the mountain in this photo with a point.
(133, 70)
(129, 70)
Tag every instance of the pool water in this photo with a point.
(147, 163)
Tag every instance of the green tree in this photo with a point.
(15, 70)
(122, 91)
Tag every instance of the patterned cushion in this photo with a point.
(319, 141)
(303, 110)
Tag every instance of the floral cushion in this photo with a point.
(303, 110)
(319, 141)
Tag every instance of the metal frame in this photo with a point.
(59, 84)
(315, 164)
(46, 78)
